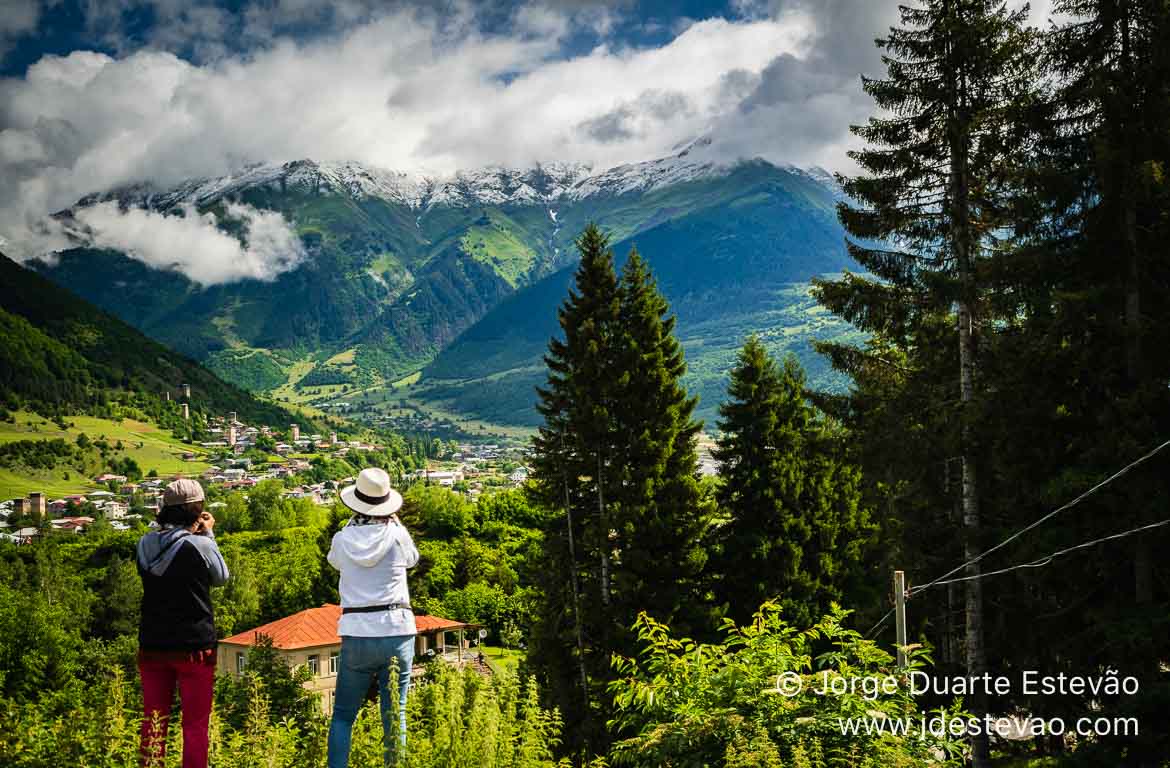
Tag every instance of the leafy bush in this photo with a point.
(455, 720)
(688, 704)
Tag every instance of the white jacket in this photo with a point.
(373, 560)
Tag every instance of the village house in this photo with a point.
(444, 477)
(310, 639)
(71, 524)
(114, 510)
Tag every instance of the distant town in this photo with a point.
(242, 456)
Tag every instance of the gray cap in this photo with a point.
(182, 491)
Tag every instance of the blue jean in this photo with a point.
(363, 659)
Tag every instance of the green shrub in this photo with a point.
(687, 704)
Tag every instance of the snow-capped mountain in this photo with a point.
(397, 271)
(544, 183)
(486, 186)
(693, 161)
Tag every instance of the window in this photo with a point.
(314, 664)
(239, 662)
(333, 660)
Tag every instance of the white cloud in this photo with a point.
(403, 90)
(193, 244)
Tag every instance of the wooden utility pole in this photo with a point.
(900, 615)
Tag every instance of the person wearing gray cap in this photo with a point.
(179, 564)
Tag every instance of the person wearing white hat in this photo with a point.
(372, 552)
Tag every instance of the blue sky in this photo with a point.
(120, 26)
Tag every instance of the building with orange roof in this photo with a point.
(310, 638)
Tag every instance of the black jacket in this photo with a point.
(178, 570)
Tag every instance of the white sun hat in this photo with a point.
(372, 494)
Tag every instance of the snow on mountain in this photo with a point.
(695, 161)
(542, 184)
(499, 186)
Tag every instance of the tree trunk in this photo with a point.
(976, 654)
(1143, 558)
(963, 245)
(573, 577)
(603, 525)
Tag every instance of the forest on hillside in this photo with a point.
(59, 354)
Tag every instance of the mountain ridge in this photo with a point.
(543, 182)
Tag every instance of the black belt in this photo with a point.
(375, 608)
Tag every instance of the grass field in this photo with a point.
(15, 484)
(151, 447)
(501, 659)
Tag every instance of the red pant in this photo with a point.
(194, 673)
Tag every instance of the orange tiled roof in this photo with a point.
(425, 624)
(318, 626)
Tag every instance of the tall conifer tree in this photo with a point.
(571, 451)
(796, 529)
(1084, 364)
(933, 197)
(657, 516)
(616, 453)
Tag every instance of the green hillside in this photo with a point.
(82, 394)
(736, 267)
(150, 447)
(61, 354)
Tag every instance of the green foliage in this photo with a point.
(1049, 224)
(41, 638)
(475, 569)
(237, 603)
(41, 454)
(796, 529)
(439, 512)
(456, 720)
(492, 722)
(251, 370)
(116, 614)
(324, 376)
(510, 507)
(688, 704)
(285, 565)
(284, 694)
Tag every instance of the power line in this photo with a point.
(1038, 563)
(1049, 516)
(1043, 561)
(880, 621)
